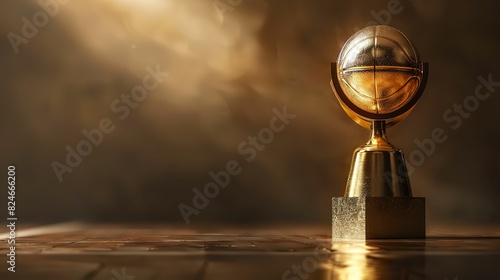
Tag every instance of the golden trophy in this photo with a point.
(378, 79)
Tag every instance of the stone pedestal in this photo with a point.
(378, 218)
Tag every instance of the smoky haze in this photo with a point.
(228, 69)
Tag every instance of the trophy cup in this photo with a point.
(378, 79)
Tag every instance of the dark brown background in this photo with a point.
(225, 78)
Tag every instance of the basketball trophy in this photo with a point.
(378, 79)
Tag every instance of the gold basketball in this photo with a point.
(379, 69)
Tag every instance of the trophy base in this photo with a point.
(378, 218)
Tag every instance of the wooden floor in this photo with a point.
(95, 252)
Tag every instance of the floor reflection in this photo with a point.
(433, 258)
(93, 252)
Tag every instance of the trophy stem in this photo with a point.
(378, 168)
(378, 139)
